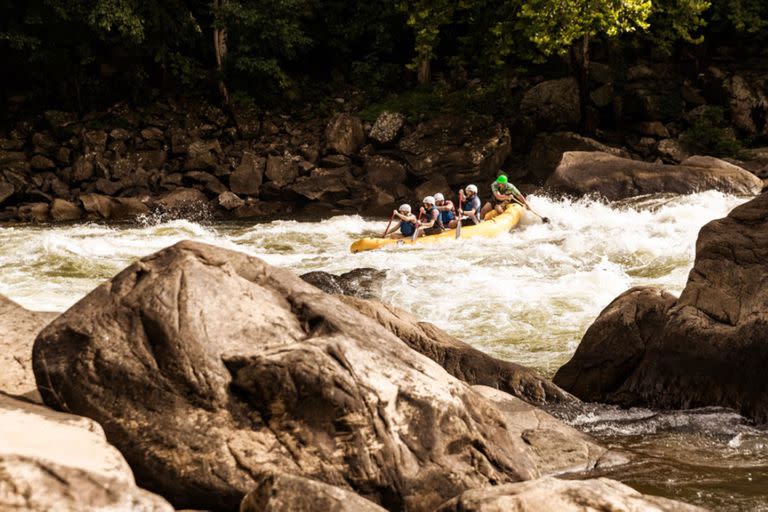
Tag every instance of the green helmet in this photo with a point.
(501, 179)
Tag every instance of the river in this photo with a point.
(527, 296)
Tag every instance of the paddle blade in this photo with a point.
(458, 230)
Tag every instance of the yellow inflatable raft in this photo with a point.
(489, 228)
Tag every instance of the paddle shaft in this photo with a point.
(545, 220)
(458, 214)
(391, 217)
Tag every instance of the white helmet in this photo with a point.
(471, 188)
(439, 197)
(429, 200)
(405, 208)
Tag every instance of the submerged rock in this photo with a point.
(209, 368)
(708, 347)
(548, 494)
(365, 283)
(592, 172)
(55, 461)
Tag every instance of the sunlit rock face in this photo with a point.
(208, 367)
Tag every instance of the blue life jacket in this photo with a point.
(407, 228)
(472, 204)
(446, 217)
(428, 214)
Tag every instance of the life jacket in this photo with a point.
(429, 214)
(472, 203)
(407, 228)
(446, 216)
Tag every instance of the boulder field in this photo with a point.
(707, 347)
(220, 378)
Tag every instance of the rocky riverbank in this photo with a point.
(189, 158)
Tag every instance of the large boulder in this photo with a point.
(708, 347)
(552, 104)
(387, 127)
(747, 102)
(247, 177)
(548, 149)
(208, 368)
(55, 461)
(547, 494)
(344, 134)
(458, 358)
(461, 149)
(384, 172)
(592, 172)
(18, 328)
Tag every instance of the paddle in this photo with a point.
(391, 217)
(545, 220)
(416, 231)
(458, 214)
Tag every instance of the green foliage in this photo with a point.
(674, 20)
(746, 16)
(553, 25)
(711, 134)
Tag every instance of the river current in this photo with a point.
(527, 297)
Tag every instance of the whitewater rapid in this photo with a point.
(527, 296)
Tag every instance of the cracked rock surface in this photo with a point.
(209, 368)
(708, 347)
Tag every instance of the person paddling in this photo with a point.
(447, 211)
(406, 223)
(503, 193)
(429, 218)
(470, 204)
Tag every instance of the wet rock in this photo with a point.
(344, 134)
(654, 129)
(275, 492)
(202, 155)
(602, 96)
(747, 103)
(281, 170)
(458, 358)
(549, 493)
(113, 207)
(431, 187)
(335, 161)
(548, 149)
(384, 172)
(82, 170)
(34, 212)
(248, 176)
(19, 326)
(706, 348)
(186, 201)
(95, 139)
(211, 182)
(285, 378)
(7, 157)
(322, 185)
(582, 172)
(387, 127)
(44, 143)
(671, 150)
(120, 134)
(41, 163)
(63, 155)
(55, 461)
(457, 148)
(552, 104)
(365, 283)
(152, 134)
(261, 209)
(229, 201)
(6, 191)
(60, 122)
(62, 210)
(108, 187)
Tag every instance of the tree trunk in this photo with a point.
(580, 64)
(425, 72)
(220, 50)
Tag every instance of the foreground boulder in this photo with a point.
(208, 368)
(709, 347)
(549, 494)
(55, 461)
(458, 358)
(18, 328)
(613, 177)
